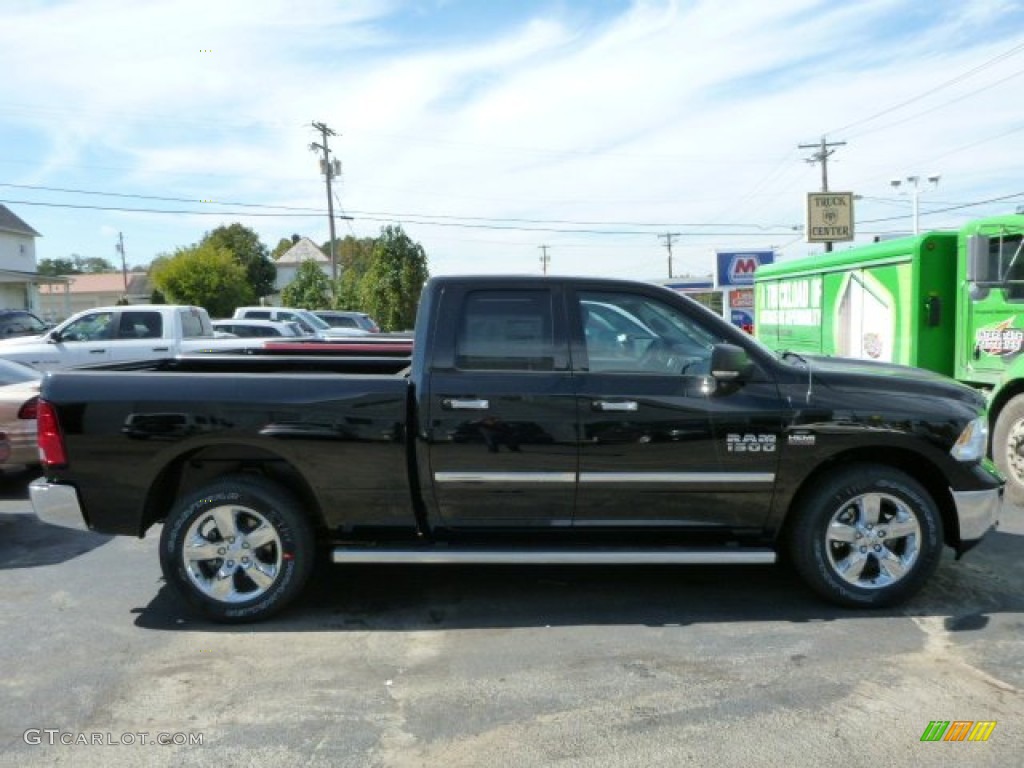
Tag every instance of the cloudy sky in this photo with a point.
(488, 129)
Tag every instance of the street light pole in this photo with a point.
(915, 195)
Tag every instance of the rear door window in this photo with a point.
(506, 330)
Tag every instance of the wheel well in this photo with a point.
(204, 465)
(923, 471)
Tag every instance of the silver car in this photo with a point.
(19, 396)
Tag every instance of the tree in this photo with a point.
(92, 265)
(56, 267)
(354, 257)
(205, 275)
(250, 252)
(311, 288)
(391, 288)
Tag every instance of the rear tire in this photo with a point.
(866, 536)
(238, 550)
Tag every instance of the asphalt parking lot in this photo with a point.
(499, 666)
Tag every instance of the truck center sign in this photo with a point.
(829, 217)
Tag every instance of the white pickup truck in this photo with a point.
(112, 334)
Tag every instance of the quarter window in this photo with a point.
(195, 324)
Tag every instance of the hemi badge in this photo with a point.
(801, 438)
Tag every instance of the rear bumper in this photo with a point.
(977, 512)
(57, 504)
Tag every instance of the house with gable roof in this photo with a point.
(289, 261)
(100, 289)
(19, 280)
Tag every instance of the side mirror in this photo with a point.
(730, 363)
(54, 337)
(978, 264)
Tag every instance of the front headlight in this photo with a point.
(971, 444)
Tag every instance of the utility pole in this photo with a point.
(329, 170)
(669, 238)
(124, 265)
(544, 259)
(822, 156)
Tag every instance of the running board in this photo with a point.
(555, 556)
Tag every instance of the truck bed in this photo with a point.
(160, 427)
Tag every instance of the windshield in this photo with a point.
(315, 322)
(1005, 255)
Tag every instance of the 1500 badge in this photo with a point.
(735, 443)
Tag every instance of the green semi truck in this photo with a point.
(952, 302)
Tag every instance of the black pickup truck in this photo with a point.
(539, 420)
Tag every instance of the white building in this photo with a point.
(289, 261)
(19, 281)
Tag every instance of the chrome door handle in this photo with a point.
(615, 405)
(457, 404)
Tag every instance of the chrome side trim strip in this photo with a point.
(677, 477)
(505, 477)
(555, 557)
(729, 478)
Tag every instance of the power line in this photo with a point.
(937, 107)
(963, 76)
(156, 197)
(395, 214)
(421, 221)
(958, 207)
(412, 218)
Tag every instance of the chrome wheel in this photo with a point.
(873, 540)
(232, 553)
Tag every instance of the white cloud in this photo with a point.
(670, 113)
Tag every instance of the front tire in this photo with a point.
(1008, 448)
(866, 536)
(238, 550)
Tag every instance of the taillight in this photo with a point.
(29, 409)
(51, 441)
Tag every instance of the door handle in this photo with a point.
(161, 349)
(458, 404)
(97, 351)
(615, 405)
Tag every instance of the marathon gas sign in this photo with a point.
(738, 267)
